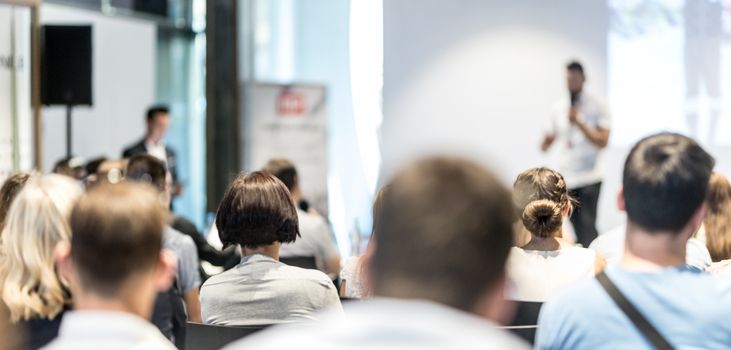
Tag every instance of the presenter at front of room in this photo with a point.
(579, 125)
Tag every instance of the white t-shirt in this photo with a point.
(352, 277)
(108, 330)
(315, 240)
(579, 159)
(536, 275)
(157, 150)
(610, 245)
(387, 324)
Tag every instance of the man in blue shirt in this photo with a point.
(665, 181)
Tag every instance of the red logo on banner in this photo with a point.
(291, 104)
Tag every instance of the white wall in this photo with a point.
(308, 42)
(16, 128)
(478, 77)
(123, 87)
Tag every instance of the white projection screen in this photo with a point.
(669, 66)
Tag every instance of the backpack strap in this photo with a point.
(643, 325)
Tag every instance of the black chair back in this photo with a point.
(525, 323)
(305, 262)
(201, 336)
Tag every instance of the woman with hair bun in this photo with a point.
(546, 262)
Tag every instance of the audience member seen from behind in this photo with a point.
(9, 190)
(437, 273)
(257, 213)
(546, 263)
(353, 282)
(148, 169)
(315, 238)
(665, 182)
(36, 297)
(115, 267)
(72, 167)
(716, 230)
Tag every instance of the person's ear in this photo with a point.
(620, 199)
(493, 305)
(62, 260)
(165, 272)
(566, 210)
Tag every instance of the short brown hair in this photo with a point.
(11, 187)
(540, 196)
(718, 218)
(256, 210)
(148, 169)
(283, 170)
(444, 234)
(117, 232)
(665, 181)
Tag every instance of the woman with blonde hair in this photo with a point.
(546, 262)
(37, 221)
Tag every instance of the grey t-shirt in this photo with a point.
(261, 290)
(184, 248)
(315, 240)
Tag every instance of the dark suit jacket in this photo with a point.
(140, 148)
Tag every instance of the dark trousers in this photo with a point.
(583, 218)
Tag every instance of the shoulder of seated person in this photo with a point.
(579, 294)
(307, 274)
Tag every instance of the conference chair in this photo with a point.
(200, 336)
(525, 323)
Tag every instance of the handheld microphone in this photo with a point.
(574, 99)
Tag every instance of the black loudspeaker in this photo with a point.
(66, 65)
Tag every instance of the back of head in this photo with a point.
(283, 170)
(147, 169)
(115, 239)
(444, 234)
(92, 166)
(256, 210)
(10, 189)
(37, 221)
(542, 218)
(71, 166)
(718, 218)
(540, 196)
(665, 182)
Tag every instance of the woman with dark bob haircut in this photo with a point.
(258, 215)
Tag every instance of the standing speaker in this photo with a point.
(66, 65)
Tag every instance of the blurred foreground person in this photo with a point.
(115, 267)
